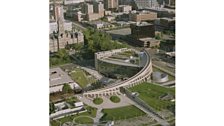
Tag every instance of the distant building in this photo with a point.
(165, 24)
(143, 4)
(93, 11)
(124, 8)
(59, 41)
(142, 34)
(139, 16)
(58, 12)
(98, 7)
(88, 8)
(54, 26)
(142, 30)
(78, 16)
(99, 24)
(163, 12)
(64, 34)
(111, 4)
(148, 42)
(66, 2)
(107, 12)
(170, 2)
(110, 18)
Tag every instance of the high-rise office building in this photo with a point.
(111, 4)
(88, 8)
(98, 7)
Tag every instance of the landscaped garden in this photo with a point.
(83, 120)
(81, 77)
(91, 112)
(115, 99)
(121, 113)
(98, 101)
(151, 94)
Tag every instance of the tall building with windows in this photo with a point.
(98, 7)
(111, 4)
(88, 8)
(143, 4)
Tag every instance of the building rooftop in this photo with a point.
(149, 39)
(169, 19)
(58, 77)
(143, 24)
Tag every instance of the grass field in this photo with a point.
(90, 112)
(98, 101)
(121, 113)
(115, 99)
(150, 93)
(81, 78)
(84, 120)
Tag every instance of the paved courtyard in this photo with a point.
(106, 102)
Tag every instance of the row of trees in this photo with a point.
(96, 41)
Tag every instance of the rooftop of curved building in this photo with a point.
(129, 79)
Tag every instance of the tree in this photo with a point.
(66, 88)
(52, 108)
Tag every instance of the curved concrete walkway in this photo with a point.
(73, 121)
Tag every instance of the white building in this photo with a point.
(66, 2)
(78, 104)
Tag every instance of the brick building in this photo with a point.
(142, 16)
(93, 11)
(111, 4)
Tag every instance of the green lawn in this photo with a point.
(121, 113)
(81, 78)
(115, 99)
(98, 101)
(150, 93)
(84, 120)
(90, 112)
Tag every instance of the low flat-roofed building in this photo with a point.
(163, 12)
(107, 12)
(66, 2)
(78, 104)
(99, 24)
(94, 16)
(124, 8)
(58, 78)
(149, 42)
(110, 18)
